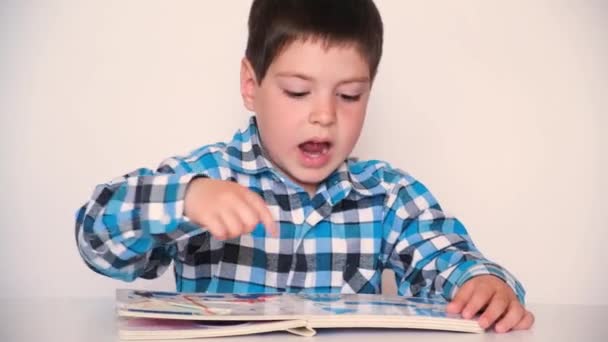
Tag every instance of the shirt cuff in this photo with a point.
(166, 221)
(470, 269)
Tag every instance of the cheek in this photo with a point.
(353, 115)
(352, 122)
(353, 134)
(277, 134)
(280, 109)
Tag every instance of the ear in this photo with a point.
(249, 84)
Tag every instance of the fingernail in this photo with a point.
(483, 323)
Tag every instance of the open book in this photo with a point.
(147, 315)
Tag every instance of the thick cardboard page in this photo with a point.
(271, 311)
(164, 329)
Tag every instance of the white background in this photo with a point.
(500, 108)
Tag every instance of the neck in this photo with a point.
(311, 189)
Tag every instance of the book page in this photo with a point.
(274, 306)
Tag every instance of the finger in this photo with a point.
(498, 305)
(232, 223)
(461, 298)
(245, 214)
(514, 315)
(526, 322)
(480, 298)
(216, 228)
(248, 216)
(263, 213)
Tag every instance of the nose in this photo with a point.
(324, 112)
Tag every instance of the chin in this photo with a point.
(314, 177)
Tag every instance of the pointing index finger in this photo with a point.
(264, 214)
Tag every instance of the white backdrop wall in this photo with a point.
(498, 107)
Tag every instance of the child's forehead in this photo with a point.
(313, 50)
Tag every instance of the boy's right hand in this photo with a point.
(226, 209)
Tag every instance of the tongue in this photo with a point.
(312, 147)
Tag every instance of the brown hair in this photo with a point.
(273, 24)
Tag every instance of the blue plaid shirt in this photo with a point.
(365, 217)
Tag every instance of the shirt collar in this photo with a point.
(246, 154)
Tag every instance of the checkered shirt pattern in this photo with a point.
(365, 217)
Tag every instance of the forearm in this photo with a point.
(128, 227)
(442, 258)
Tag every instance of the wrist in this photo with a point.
(192, 194)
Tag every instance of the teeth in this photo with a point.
(317, 154)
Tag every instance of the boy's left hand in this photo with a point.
(497, 300)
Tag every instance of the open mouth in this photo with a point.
(315, 149)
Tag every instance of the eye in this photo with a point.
(295, 94)
(349, 98)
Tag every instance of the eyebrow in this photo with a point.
(362, 79)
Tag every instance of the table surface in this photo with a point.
(93, 319)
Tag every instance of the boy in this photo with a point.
(281, 207)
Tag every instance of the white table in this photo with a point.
(92, 320)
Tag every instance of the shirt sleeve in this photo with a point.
(430, 252)
(129, 227)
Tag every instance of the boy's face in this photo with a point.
(310, 107)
